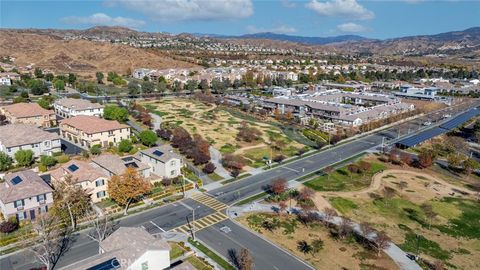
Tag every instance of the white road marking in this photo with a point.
(158, 227)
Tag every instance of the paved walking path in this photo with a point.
(216, 159)
(393, 251)
(156, 121)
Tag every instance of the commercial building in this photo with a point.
(29, 113)
(407, 91)
(90, 130)
(70, 107)
(15, 137)
(90, 178)
(24, 195)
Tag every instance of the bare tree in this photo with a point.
(402, 185)
(345, 227)
(278, 186)
(365, 229)
(381, 241)
(429, 213)
(388, 193)
(329, 213)
(282, 206)
(53, 240)
(103, 226)
(245, 260)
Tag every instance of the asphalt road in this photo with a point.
(266, 255)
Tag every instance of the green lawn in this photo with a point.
(198, 264)
(424, 245)
(258, 154)
(342, 180)
(343, 205)
(175, 251)
(227, 148)
(215, 177)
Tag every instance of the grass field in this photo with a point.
(335, 253)
(343, 180)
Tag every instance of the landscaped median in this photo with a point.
(212, 255)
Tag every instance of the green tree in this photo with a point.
(162, 86)
(49, 77)
(99, 76)
(118, 81)
(304, 247)
(44, 103)
(132, 88)
(37, 87)
(113, 112)
(203, 84)
(59, 84)
(125, 146)
(5, 162)
(148, 138)
(13, 88)
(72, 78)
(148, 87)
(24, 94)
(24, 157)
(48, 161)
(38, 73)
(95, 149)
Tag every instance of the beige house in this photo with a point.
(16, 137)
(163, 161)
(24, 195)
(115, 165)
(89, 177)
(90, 130)
(29, 113)
(70, 107)
(129, 248)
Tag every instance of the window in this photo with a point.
(99, 183)
(19, 203)
(172, 172)
(21, 216)
(101, 194)
(172, 163)
(145, 266)
(41, 198)
(43, 209)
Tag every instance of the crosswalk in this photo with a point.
(209, 201)
(202, 223)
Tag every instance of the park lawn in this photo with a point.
(175, 250)
(342, 180)
(256, 155)
(342, 205)
(335, 254)
(215, 177)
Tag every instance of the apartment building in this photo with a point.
(90, 130)
(70, 107)
(29, 113)
(24, 195)
(84, 174)
(15, 137)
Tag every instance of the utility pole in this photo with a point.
(192, 227)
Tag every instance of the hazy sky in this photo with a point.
(375, 19)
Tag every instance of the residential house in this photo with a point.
(70, 107)
(129, 248)
(15, 137)
(162, 160)
(24, 195)
(84, 174)
(5, 81)
(90, 130)
(29, 113)
(115, 165)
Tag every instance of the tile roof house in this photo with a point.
(16, 137)
(85, 174)
(90, 130)
(29, 113)
(24, 195)
(129, 248)
(70, 107)
(115, 165)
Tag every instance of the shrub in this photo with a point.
(148, 138)
(125, 146)
(48, 161)
(5, 161)
(209, 168)
(8, 226)
(278, 158)
(95, 149)
(24, 157)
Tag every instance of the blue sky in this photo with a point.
(375, 19)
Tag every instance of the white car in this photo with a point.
(428, 123)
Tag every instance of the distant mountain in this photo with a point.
(289, 38)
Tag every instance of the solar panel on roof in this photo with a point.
(73, 168)
(158, 153)
(107, 265)
(16, 180)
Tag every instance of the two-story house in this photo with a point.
(24, 195)
(115, 165)
(29, 113)
(163, 161)
(70, 107)
(90, 130)
(16, 137)
(90, 178)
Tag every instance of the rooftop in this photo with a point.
(92, 124)
(22, 185)
(78, 104)
(80, 171)
(163, 153)
(24, 110)
(22, 134)
(117, 165)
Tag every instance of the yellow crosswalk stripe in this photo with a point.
(210, 219)
(209, 201)
(202, 223)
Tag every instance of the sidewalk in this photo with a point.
(393, 251)
(216, 158)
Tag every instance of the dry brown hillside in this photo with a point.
(80, 56)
